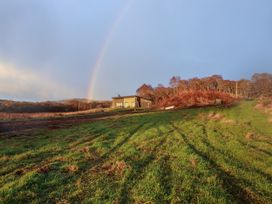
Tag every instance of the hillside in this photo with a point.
(69, 105)
(203, 155)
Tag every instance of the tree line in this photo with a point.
(260, 84)
(69, 105)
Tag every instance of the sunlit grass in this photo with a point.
(179, 156)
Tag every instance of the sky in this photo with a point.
(97, 49)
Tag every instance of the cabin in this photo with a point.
(130, 102)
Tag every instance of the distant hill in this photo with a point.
(69, 105)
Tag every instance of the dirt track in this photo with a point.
(10, 127)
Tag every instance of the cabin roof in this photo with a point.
(131, 96)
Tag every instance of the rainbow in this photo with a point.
(104, 48)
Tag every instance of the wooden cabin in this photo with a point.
(130, 102)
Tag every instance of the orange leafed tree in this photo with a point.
(197, 91)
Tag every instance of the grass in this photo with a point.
(167, 157)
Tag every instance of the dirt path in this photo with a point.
(10, 127)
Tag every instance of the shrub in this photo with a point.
(197, 99)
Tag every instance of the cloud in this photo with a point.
(18, 82)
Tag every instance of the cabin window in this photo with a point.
(126, 105)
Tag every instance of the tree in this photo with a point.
(161, 93)
(262, 84)
(244, 87)
(194, 84)
(259, 85)
(146, 91)
(182, 86)
(174, 82)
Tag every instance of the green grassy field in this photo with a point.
(185, 156)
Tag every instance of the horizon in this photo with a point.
(108, 99)
(108, 48)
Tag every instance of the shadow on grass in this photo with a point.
(88, 139)
(230, 183)
(96, 163)
(232, 160)
(138, 169)
(165, 179)
(125, 140)
(255, 148)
